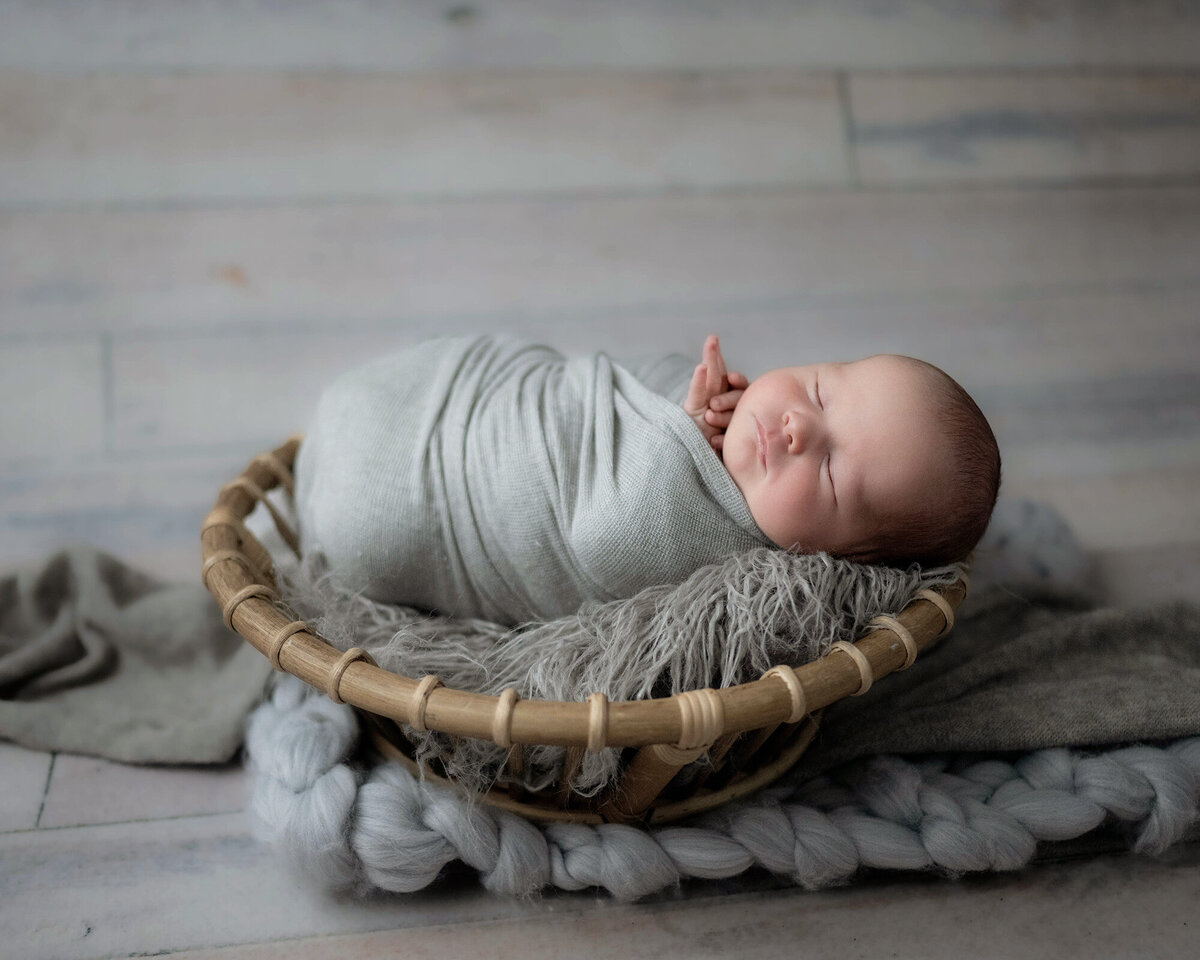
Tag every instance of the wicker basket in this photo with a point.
(752, 733)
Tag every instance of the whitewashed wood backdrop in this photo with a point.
(208, 208)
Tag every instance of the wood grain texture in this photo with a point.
(51, 400)
(145, 513)
(201, 883)
(1031, 126)
(24, 774)
(88, 790)
(998, 917)
(484, 264)
(171, 884)
(648, 34)
(1048, 368)
(136, 138)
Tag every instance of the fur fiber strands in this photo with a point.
(726, 624)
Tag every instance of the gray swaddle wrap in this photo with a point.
(487, 477)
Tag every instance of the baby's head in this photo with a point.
(883, 460)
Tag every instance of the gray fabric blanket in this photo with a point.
(97, 657)
(1023, 673)
(489, 478)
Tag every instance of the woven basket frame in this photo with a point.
(752, 733)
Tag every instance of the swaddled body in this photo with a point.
(486, 477)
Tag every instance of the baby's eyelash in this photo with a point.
(817, 390)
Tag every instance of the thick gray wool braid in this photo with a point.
(382, 828)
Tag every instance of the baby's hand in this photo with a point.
(713, 393)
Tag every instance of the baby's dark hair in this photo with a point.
(955, 515)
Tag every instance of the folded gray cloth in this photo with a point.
(101, 659)
(1027, 673)
(488, 478)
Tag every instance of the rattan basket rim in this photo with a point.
(237, 571)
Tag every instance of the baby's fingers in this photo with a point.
(719, 420)
(716, 367)
(697, 395)
(738, 381)
(725, 401)
(718, 441)
(716, 363)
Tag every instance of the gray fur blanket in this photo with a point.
(725, 624)
(488, 478)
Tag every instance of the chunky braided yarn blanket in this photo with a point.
(366, 826)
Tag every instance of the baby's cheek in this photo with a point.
(800, 492)
(796, 512)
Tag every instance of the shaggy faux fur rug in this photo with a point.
(725, 624)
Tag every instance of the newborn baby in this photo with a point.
(883, 460)
(485, 477)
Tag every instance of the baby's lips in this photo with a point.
(762, 442)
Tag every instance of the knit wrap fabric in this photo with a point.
(488, 478)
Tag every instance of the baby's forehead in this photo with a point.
(908, 373)
(898, 361)
(899, 370)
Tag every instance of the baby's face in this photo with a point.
(823, 452)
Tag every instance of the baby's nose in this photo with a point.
(798, 430)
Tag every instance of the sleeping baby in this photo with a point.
(487, 477)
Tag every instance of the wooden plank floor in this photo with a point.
(207, 210)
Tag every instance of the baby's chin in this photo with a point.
(779, 539)
(793, 540)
